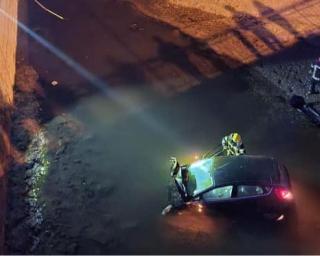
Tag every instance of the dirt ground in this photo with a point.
(250, 32)
(95, 168)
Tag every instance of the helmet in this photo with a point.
(236, 138)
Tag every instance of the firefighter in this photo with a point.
(182, 171)
(175, 167)
(315, 77)
(179, 202)
(232, 145)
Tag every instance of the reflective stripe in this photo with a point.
(234, 149)
(316, 72)
(231, 146)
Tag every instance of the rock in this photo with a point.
(28, 174)
(30, 164)
(29, 182)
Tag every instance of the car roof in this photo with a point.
(245, 169)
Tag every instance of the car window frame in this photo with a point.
(220, 199)
(235, 184)
(250, 196)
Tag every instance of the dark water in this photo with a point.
(122, 161)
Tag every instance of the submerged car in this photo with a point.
(240, 185)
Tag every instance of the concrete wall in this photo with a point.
(8, 44)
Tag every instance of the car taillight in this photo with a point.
(284, 194)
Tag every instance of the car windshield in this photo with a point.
(216, 172)
(200, 175)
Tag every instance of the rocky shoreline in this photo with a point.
(28, 164)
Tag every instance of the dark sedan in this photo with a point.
(240, 185)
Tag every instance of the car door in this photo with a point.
(235, 199)
(219, 198)
(249, 198)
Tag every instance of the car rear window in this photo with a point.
(218, 193)
(245, 191)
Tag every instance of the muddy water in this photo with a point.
(109, 169)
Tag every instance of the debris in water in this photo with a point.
(166, 210)
(54, 83)
(135, 26)
(48, 10)
(299, 103)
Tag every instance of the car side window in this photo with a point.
(245, 191)
(218, 193)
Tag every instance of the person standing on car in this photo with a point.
(315, 77)
(232, 144)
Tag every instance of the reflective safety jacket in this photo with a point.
(231, 147)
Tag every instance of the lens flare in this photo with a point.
(99, 84)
